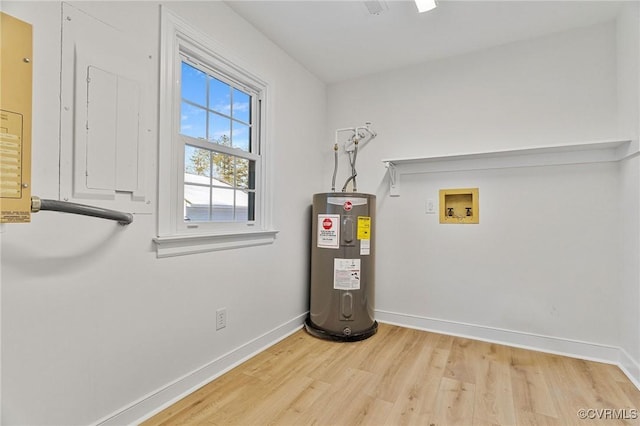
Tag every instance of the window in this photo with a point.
(220, 155)
(212, 171)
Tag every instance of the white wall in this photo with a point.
(628, 42)
(551, 90)
(543, 266)
(92, 321)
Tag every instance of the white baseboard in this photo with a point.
(630, 367)
(555, 345)
(162, 398)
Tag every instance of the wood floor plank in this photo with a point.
(602, 379)
(631, 392)
(268, 410)
(300, 411)
(585, 387)
(207, 399)
(342, 400)
(421, 387)
(454, 405)
(337, 357)
(458, 365)
(393, 378)
(494, 395)
(407, 377)
(531, 393)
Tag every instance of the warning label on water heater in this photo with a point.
(346, 274)
(364, 227)
(329, 231)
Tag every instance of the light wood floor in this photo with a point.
(402, 376)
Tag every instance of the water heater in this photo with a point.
(342, 267)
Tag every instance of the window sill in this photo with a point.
(192, 244)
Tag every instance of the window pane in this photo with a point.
(193, 121)
(223, 205)
(242, 206)
(223, 169)
(197, 202)
(219, 96)
(194, 85)
(219, 129)
(242, 173)
(241, 106)
(240, 136)
(197, 162)
(245, 173)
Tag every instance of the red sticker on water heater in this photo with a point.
(328, 231)
(348, 205)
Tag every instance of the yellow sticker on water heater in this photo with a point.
(364, 227)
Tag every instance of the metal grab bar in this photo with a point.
(38, 204)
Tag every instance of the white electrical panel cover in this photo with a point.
(106, 115)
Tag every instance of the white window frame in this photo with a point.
(175, 236)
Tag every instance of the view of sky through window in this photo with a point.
(214, 110)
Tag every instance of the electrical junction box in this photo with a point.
(15, 119)
(106, 144)
(459, 206)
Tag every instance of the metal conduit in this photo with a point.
(38, 204)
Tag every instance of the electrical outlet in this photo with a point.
(221, 318)
(431, 206)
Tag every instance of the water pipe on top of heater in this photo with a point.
(360, 136)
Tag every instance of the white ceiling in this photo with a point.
(339, 40)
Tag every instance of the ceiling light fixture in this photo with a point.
(425, 5)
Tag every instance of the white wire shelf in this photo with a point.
(584, 153)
